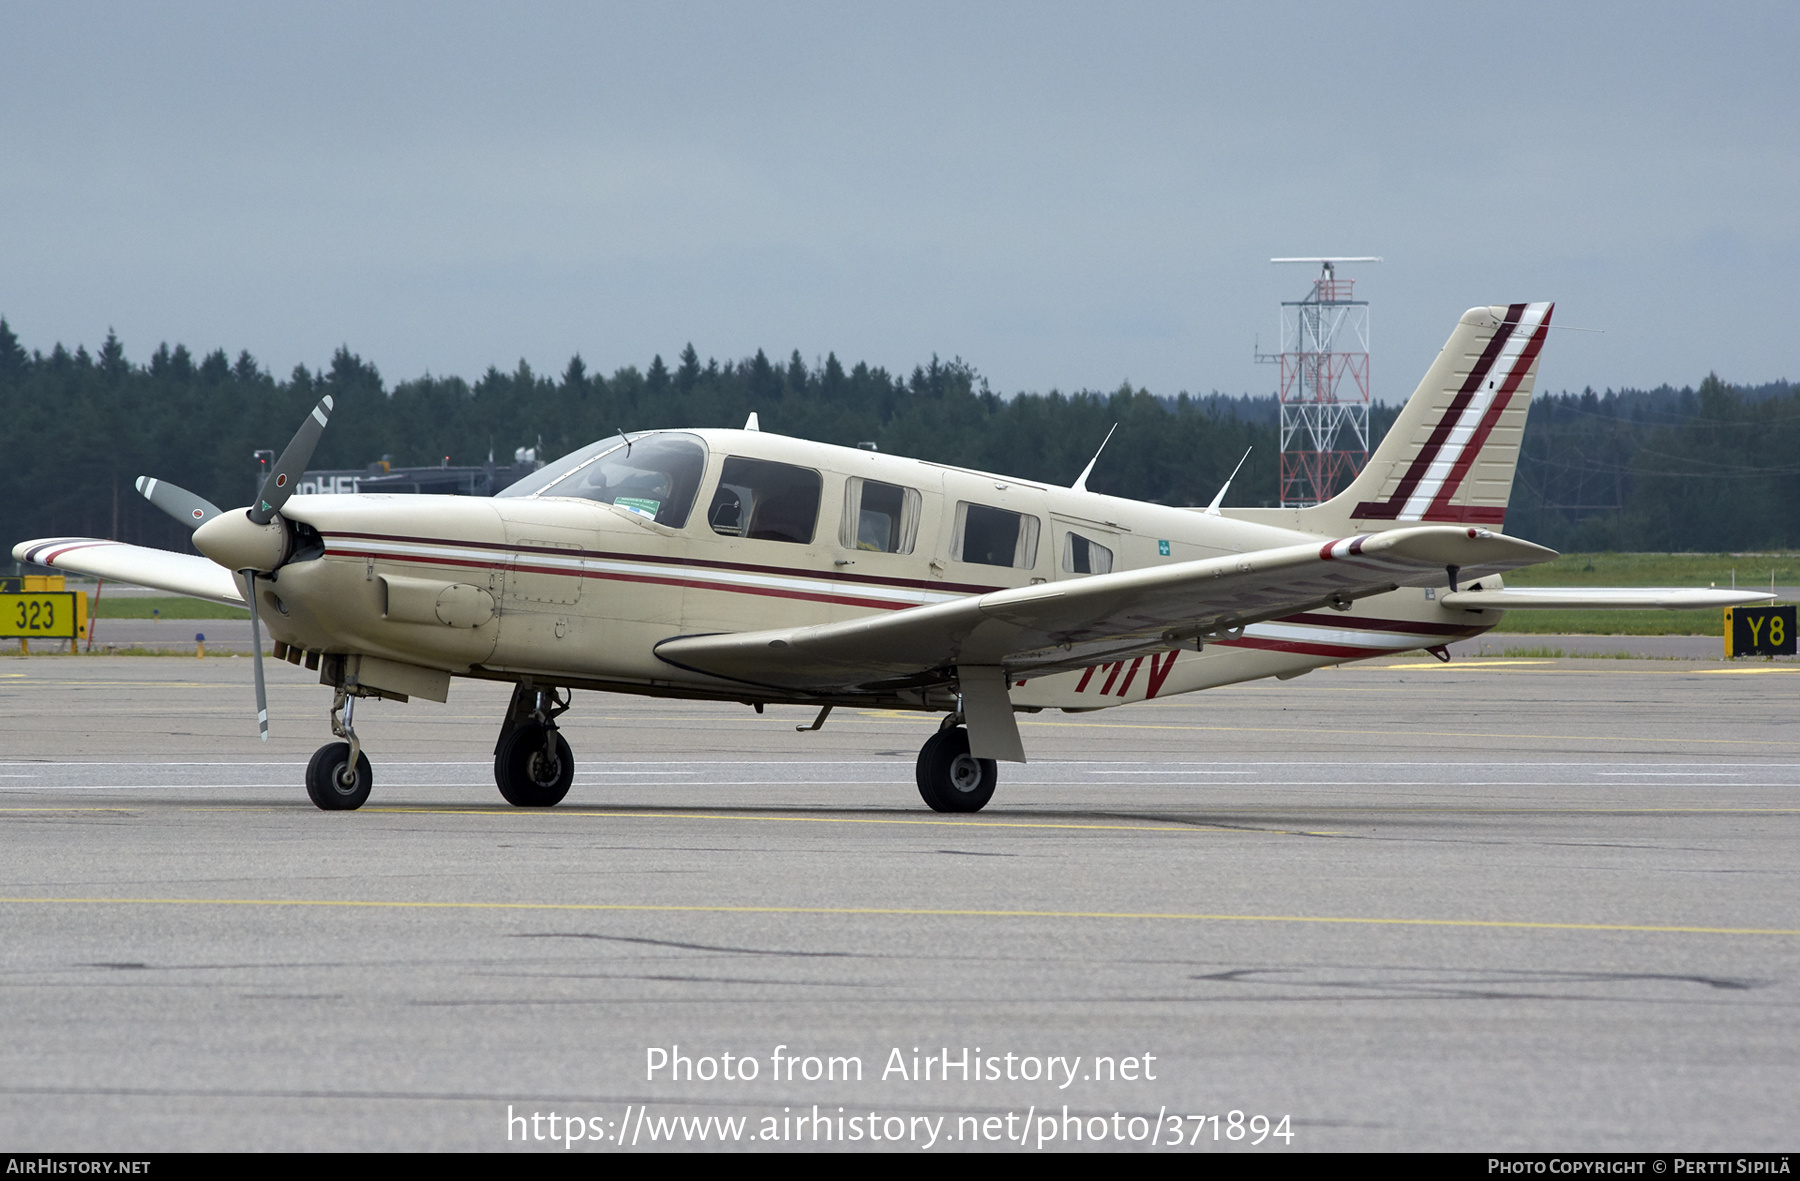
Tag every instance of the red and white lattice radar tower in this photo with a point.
(1324, 419)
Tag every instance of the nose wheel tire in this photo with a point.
(950, 778)
(527, 778)
(330, 781)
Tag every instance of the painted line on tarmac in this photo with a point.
(784, 763)
(1341, 812)
(928, 821)
(1480, 665)
(1437, 664)
(908, 912)
(1342, 809)
(1546, 810)
(1365, 733)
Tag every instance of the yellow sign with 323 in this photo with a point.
(50, 615)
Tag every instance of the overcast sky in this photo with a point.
(1065, 196)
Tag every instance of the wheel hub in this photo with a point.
(965, 773)
(543, 771)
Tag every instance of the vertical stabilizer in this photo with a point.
(1451, 454)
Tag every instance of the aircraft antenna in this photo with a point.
(1324, 423)
(1080, 484)
(1213, 508)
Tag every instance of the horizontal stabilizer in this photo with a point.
(179, 574)
(1599, 598)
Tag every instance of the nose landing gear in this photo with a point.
(533, 765)
(338, 778)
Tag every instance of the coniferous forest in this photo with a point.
(1712, 468)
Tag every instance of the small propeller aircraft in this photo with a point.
(747, 566)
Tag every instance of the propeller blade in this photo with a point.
(192, 511)
(285, 476)
(262, 693)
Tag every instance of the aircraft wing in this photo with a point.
(1064, 625)
(1600, 598)
(180, 574)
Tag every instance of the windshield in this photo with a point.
(550, 473)
(655, 476)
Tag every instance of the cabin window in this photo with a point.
(655, 476)
(883, 518)
(1082, 556)
(765, 501)
(994, 536)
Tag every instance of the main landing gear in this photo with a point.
(950, 778)
(338, 778)
(533, 765)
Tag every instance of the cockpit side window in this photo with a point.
(765, 501)
(655, 476)
(883, 518)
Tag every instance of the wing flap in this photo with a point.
(180, 574)
(1600, 598)
(1042, 628)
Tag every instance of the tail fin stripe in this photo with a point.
(1391, 508)
(1518, 366)
(1506, 372)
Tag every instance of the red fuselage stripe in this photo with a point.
(661, 580)
(705, 563)
(1354, 623)
(1305, 648)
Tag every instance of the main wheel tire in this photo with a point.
(950, 778)
(526, 778)
(328, 783)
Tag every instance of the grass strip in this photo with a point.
(160, 607)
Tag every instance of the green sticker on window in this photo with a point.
(1162, 547)
(640, 506)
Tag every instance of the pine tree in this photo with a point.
(575, 379)
(13, 362)
(689, 372)
(214, 369)
(112, 357)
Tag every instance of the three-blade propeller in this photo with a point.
(195, 511)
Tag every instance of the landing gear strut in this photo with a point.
(338, 778)
(533, 765)
(950, 778)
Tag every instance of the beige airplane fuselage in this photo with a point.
(579, 593)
